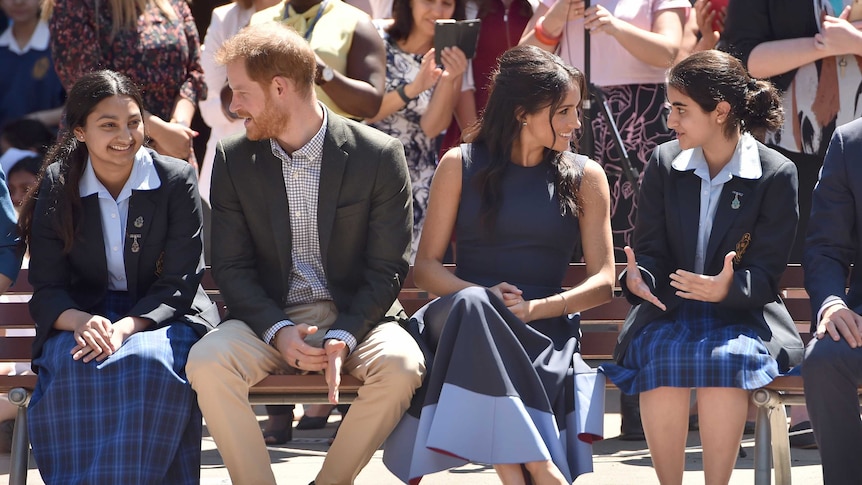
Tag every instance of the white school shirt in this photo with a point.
(745, 163)
(115, 213)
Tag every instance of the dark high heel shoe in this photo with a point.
(312, 422)
(280, 436)
(802, 436)
(277, 437)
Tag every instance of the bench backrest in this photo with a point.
(600, 325)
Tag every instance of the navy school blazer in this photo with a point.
(761, 229)
(163, 276)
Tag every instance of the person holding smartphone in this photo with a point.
(810, 51)
(503, 22)
(420, 95)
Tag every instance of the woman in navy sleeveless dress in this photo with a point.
(501, 346)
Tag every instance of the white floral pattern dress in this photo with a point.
(421, 150)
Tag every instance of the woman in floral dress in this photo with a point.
(153, 42)
(420, 96)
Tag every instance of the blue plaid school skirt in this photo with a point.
(693, 348)
(131, 419)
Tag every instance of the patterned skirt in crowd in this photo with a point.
(640, 112)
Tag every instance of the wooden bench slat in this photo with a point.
(786, 384)
(800, 309)
(598, 345)
(16, 349)
(15, 314)
(11, 382)
(615, 310)
(303, 384)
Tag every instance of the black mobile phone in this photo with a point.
(461, 33)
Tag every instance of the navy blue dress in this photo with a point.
(498, 390)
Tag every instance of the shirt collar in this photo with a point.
(745, 162)
(313, 148)
(143, 177)
(38, 41)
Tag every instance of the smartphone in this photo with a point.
(461, 33)
(856, 11)
(717, 7)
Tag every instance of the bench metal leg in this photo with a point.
(770, 438)
(20, 458)
(780, 443)
(762, 438)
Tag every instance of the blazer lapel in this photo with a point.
(688, 190)
(141, 218)
(91, 233)
(331, 174)
(731, 203)
(271, 181)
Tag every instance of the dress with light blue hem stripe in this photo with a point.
(498, 391)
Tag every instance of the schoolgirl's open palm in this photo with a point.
(693, 286)
(635, 282)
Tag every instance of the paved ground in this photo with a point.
(616, 462)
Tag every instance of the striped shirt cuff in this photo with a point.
(342, 335)
(643, 270)
(271, 331)
(828, 302)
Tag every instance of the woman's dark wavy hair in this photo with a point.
(402, 16)
(526, 81)
(709, 77)
(64, 198)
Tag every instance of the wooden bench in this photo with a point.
(600, 328)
